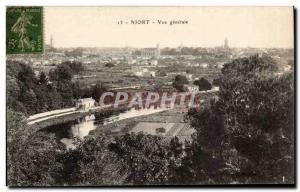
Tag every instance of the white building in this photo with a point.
(143, 72)
(220, 65)
(154, 62)
(150, 52)
(203, 65)
(195, 65)
(192, 88)
(85, 103)
(287, 68)
(131, 61)
(189, 77)
(149, 74)
(138, 71)
(37, 73)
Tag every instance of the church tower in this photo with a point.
(226, 46)
(51, 42)
(157, 51)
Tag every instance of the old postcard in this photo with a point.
(149, 96)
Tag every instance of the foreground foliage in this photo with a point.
(245, 135)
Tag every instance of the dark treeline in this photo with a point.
(249, 128)
(31, 94)
(180, 82)
(243, 136)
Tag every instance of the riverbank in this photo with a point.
(126, 126)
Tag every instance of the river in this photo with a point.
(67, 133)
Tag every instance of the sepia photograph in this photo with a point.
(120, 96)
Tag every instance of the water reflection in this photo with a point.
(83, 127)
(67, 133)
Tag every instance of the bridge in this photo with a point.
(62, 115)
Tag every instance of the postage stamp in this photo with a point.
(24, 30)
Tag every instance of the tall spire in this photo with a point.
(51, 41)
(226, 46)
(157, 50)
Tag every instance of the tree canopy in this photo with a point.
(252, 122)
(31, 93)
(179, 82)
(244, 135)
(203, 84)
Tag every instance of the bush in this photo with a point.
(203, 84)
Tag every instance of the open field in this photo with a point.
(152, 128)
(169, 129)
(171, 121)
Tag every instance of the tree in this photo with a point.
(95, 164)
(64, 88)
(16, 129)
(37, 161)
(31, 95)
(145, 156)
(16, 134)
(28, 98)
(63, 72)
(109, 65)
(98, 90)
(203, 84)
(162, 73)
(54, 99)
(43, 78)
(181, 79)
(32, 157)
(179, 82)
(13, 92)
(216, 82)
(209, 127)
(208, 143)
(247, 132)
(27, 77)
(42, 94)
(76, 67)
(257, 107)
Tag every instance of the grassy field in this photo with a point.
(171, 121)
(170, 129)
